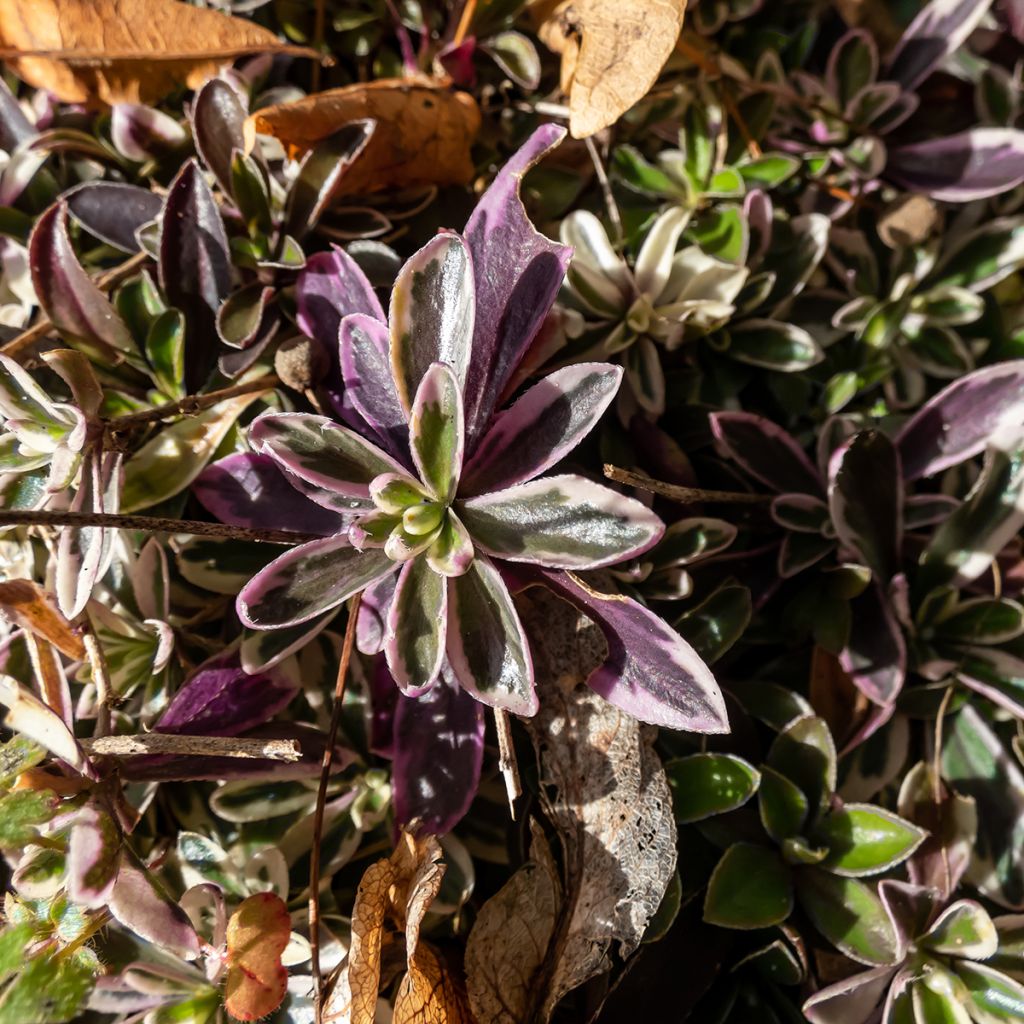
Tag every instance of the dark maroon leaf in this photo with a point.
(766, 452)
(113, 211)
(875, 656)
(217, 120)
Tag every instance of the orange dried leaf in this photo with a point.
(430, 993)
(256, 937)
(612, 53)
(423, 134)
(123, 51)
(27, 605)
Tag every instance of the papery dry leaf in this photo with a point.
(398, 891)
(605, 792)
(27, 605)
(423, 134)
(612, 53)
(124, 51)
(509, 943)
(257, 935)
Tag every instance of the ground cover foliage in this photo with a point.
(510, 511)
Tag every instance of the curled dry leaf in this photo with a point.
(123, 51)
(257, 935)
(423, 134)
(612, 53)
(607, 797)
(393, 897)
(27, 605)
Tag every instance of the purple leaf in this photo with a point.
(651, 672)
(432, 314)
(217, 120)
(487, 649)
(195, 266)
(542, 426)
(308, 580)
(113, 211)
(958, 422)
(518, 272)
(941, 27)
(250, 490)
(68, 296)
(850, 1001)
(141, 905)
(93, 854)
(416, 627)
(865, 494)
(875, 655)
(439, 747)
(972, 164)
(766, 451)
(565, 522)
(373, 614)
(142, 133)
(14, 126)
(219, 699)
(369, 383)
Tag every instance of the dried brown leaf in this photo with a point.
(612, 53)
(123, 51)
(392, 899)
(606, 794)
(834, 696)
(423, 134)
(257, 935)
(27, 605)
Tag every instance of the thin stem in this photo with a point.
(319, 27)
(341, 681)
(466, 19)
(606, 189)
(104, 281)
(684, 495)
(150, 524)
(193, 746)
(192, 404)
(507, 763)
(101, 679)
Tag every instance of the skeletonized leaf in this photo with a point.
(123, 51)
(422, 137)
(612, 53)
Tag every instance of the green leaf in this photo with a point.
(849, 914)
(994, 997)
(21, 812)
(49, 990)
(984, 257)
(416, 628)
(962, 930)
(17, 755)
(983, 620)
(641, 176)
(707, 784)
(250, 191)
(935, 999)
(864, 840)
(773, 345)
(14, 940)
(165, 350)
(805, 753)
(781, 804)
(437, 431)
(749, 888)
(769, 170)
(717, 622)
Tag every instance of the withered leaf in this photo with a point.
(612, 53)
(123, 51)
(423, 134)
(392, 899)
(27, 605)
(606, 794)
(257, 935)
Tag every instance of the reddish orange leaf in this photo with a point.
(257, 935)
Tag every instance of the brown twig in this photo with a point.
(606, 189)
(191, 404)
(340, 683)
(42, 328)
(319, 28)
(465, 20)
(507, 763)
(150, 524)
(684, 495)
(193, 746)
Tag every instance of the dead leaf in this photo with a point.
(606, 794)
(509, 943)
(124, 51)
(612, 53)
(834, 696)
(392, 899)
(27, 605)
(423, 134)
(257, 935)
